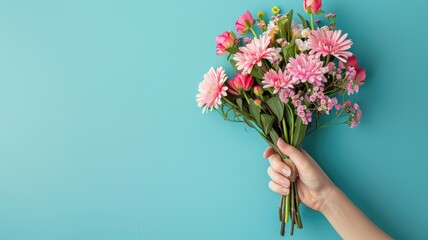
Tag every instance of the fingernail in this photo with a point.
(281, 142)
(285, 191)
(286, 172)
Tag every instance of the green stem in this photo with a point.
(327, 60)
(254, 33)
(287, 208)
(281, 202)
(231, 103)
(299, 220)
(246, 97)
(285, 130)
(312, 21)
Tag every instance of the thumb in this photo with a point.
(297, 157)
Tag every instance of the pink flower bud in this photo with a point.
(258, 102)
(224, 41)
(240, 82)
(258, 91)
(312, 6)
(244, 23)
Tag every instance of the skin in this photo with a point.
(318, 192)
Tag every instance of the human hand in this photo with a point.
(313, 185)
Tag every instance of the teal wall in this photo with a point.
(101, 138)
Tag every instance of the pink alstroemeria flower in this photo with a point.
(244, 23)
(240, 82)
(224, 41)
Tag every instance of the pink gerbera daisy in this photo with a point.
(211, 89)
(253, 53)
(307, 68)
(277, 80)
(329, 42)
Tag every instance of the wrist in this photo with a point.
(333, 197)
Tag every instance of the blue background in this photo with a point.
(101, 137)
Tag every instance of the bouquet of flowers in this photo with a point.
(291, 80)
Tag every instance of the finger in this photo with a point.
(307, 155)
(268, 152)
(278, 188)
(278, 178)
(298, 158)
(278, 165)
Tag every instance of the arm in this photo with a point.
(318, 192)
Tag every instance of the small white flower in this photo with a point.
(296, 29)
(301, 45)
(272, 28)
(306, 32)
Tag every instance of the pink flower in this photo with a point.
(253, 53)
(329, 42)
(277, 80)
(211, 89)
(240, 82)
(307, 68)
(360, 73)
(352, 62)
(312, 6)
(244, 23)
(354, 115)
(360, 77)
(224, 41)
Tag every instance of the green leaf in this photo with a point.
(257, 72)
(282, 27)
(239, 102)
(274, 136)
(288, 25)
(267, 122)
(289, 50)
(319, 12)
(254, 111)
(299, 132)
(232, 50)
(233, 63)
(305, 23)
(276, 106)
(248, 122)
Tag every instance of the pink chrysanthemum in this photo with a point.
(307, 68)
(253, 53)
(329, 42)
(211, 89)
(277, 80)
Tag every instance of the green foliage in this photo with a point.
(255, 112)
(299, 132)
(267, 122)
(233, 63)
(276, 106)
(232, 50)
(289, 50)
(288, 25)
(239, 102)
(257, 72)
(305, 23)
